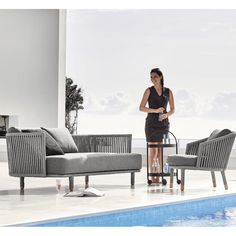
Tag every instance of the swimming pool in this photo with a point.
(210, 211)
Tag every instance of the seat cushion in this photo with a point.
(182, 160)
(63, 138)
(72, 163)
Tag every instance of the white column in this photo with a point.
(61, 68)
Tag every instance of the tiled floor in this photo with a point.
(42, 201)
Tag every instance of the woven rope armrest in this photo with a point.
(214, 154)
(26, 154)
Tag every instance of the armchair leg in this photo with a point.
(132, 179)
(22, 183)
(224, 179)
(213, 178)
(71, 183)
(182, 179)
(171, 177)
(86, 181)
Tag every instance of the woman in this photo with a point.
(157, 122)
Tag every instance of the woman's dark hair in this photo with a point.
(158, 71)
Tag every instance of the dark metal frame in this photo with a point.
(161, 146)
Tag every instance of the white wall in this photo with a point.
(30, 55)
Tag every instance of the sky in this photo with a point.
(110, 54)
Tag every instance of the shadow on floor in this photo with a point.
(65, 189)
(30, 191)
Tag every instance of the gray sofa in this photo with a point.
(94, 155)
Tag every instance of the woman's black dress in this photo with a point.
(155, 129)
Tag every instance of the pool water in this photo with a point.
(224, 218)
(209, 211)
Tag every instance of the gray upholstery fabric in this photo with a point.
(83, 143)
(219, 133)
(13, 130)
(31, 130)
(52, 147)
(63, 138)
(72, 163)
(182, 160)
(213, 134)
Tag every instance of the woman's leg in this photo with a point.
(152, 156)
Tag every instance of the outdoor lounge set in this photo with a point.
(56, 153)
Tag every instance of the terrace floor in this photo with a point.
(42, 200)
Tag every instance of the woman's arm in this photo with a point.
(142, 106)
(171, 103)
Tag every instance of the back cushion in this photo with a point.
(63, 138)
(31, 130)
(52, 147)
(219, 133)
(213, 134)
(13, 130)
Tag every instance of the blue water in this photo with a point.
(224, 218)
(211, 211)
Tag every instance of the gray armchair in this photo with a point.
(209, 154)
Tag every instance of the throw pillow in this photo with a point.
(63, 138)
(213, 134)
(219, 133)
(52, 147)
(13, 130)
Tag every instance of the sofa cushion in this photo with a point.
(52, 147)
(218, 133)
(72, 163)
(213, 134)
(13, 130)
(182, 160)
(63, 138)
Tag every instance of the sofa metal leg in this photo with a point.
(22, 183)
(224, 179)
(182, 179)
(171, 177)
(71, 183)
(132, 175)
(213, 178)
(86, 181)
